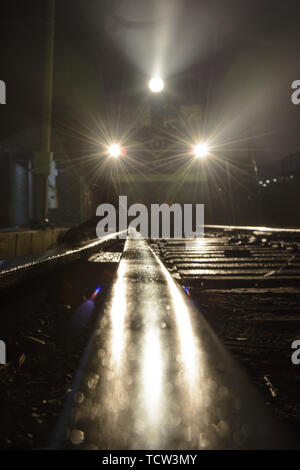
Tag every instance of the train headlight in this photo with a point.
(201, 150)
(115, 150)
(156, 85)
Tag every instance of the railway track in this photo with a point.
(246, 282)
(153, 374)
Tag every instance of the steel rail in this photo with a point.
(18, 269)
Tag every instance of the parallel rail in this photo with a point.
(24, 267)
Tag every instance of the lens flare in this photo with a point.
(187, 291)
(95, 293)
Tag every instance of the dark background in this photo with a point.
(237, 58)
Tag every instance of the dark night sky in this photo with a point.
(244, 56)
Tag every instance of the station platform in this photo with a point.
(22, 242)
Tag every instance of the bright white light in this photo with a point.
(114, 150)
(156, 84)
(201, 150)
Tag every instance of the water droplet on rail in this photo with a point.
(77, 436)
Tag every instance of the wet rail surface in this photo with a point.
(156, 376)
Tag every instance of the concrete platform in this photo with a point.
(24, 242)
